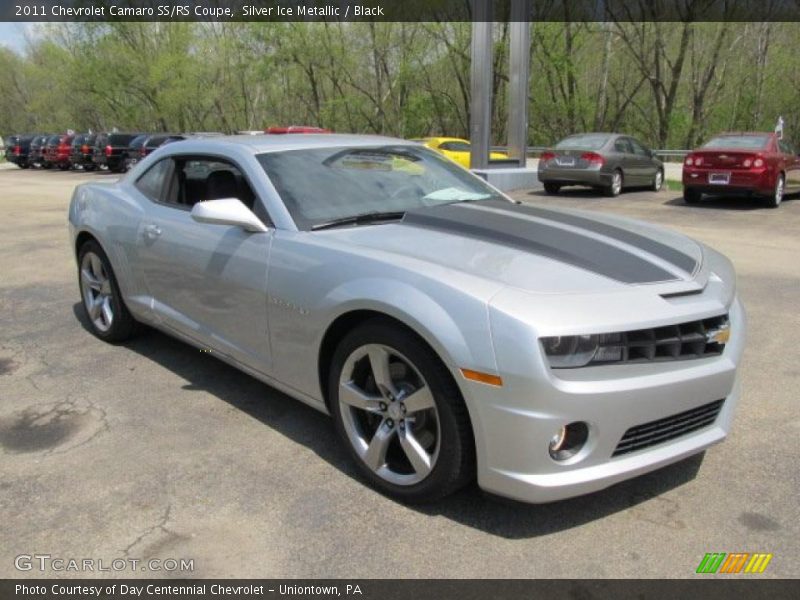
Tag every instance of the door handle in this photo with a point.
(152, 232)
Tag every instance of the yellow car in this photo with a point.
(455, 149)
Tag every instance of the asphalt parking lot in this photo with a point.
(154, 449)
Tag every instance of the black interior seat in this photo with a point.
(221, 184)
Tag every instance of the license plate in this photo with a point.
(565, 161)
(719, 178)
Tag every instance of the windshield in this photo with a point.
(323, 184)
(746, 142)
(591, 141)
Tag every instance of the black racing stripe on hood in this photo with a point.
(667, 253)
(544, 240)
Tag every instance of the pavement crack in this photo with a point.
(161, 526)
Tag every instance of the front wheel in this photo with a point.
(658, 181)
(104, 308)
(401, 415)
(774, 201)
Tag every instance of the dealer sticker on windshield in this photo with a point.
(719, 178)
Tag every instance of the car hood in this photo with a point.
(538, 249)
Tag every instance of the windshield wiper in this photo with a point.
(362, 219)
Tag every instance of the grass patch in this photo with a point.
(674, 186)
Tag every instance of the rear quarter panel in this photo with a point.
(112, 216)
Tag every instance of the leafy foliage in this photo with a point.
(671, 84)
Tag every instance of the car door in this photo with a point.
(792, 166)
(207, 281)
(642, 163)
(624, 159)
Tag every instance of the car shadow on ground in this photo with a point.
(469, 507)
(589, 193)
(729, 203)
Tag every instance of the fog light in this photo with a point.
(569, 440)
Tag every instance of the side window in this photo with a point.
(151, 184)
(198, 179)
(638, 149)
(622, 146)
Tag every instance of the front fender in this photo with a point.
(456, 327)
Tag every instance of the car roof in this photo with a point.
(258, 144)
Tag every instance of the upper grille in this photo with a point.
(668, 428)
(672, 342)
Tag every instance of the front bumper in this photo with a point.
(514, 424)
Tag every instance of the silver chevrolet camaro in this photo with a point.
(451, 332)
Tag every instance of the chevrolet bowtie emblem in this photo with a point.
(719, 335)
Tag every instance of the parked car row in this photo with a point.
(114, 151)
(731, 164)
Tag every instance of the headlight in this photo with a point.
(570, 350)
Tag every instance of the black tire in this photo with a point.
(455, 464)
(691, 195)
(123, 324)
(774, 201)
(23, 165)
(552, 188)
(613, 190)
(64, 167)
(658, 181)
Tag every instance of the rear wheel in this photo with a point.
(23, 165)
(775, 200)
(551, 188)
(615, 187)
(105, 310)
(401, 415)
(691, 195)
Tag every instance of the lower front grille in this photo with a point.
(668, 428)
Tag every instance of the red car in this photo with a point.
(58, 151)
(749, 164)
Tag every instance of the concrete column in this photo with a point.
(480, 113)
(519, 73)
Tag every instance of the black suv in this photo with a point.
(18, 149)
(82, 152)
(110, 150)
(36, 154)
(144, 144)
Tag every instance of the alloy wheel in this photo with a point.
(778, 191)
(97, 292)
(659, 181)
(389, 414)
(616, 183)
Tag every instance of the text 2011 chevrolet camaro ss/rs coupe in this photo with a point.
(449, 331)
